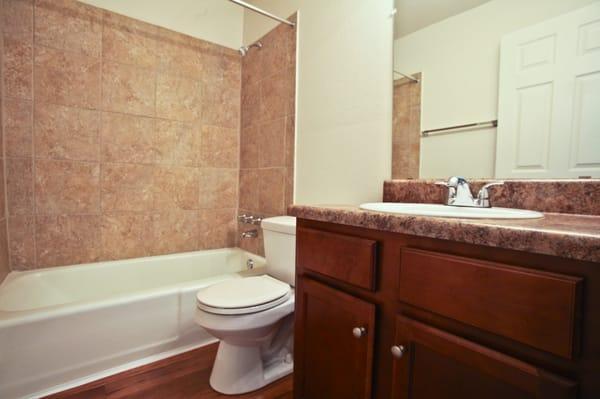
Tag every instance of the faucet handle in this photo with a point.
(483, 197)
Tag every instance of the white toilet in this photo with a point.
(253, 316)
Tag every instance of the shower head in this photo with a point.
(244, 49)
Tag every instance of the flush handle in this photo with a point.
(359, 332)
(398, 351)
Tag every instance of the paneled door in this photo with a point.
(433, 364)
(335, 337)
(549, 99)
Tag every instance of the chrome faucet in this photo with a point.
(250, 234)
(459, 193)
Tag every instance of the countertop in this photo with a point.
(557, 234)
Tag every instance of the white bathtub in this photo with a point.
(65, 326)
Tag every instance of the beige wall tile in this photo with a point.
(130, 41)
(218, 188)
(249, 147)
(22, 242)
(176, 188)
(19, 186)
(124, 235)
(67, 187)
(3, 214)
(220, 147)
(17, 18)
(251, 104)
(4, 261)
(271, 142)
(66, 133)
(66, 78)
(67, 239)
(217, 228)
(221, 104)
(128, 138)
(271, 192)
(180, 55)
(178, 98)
(175, 231)
(177, 143)
(127, 187)
(290, 140)
(274, 96)
(249, 190)
(69, 25)
(128, 89)
(18, 121)
(17, 68)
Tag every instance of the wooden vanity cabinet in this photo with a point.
(440, 319)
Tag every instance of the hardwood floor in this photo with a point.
(183, 376)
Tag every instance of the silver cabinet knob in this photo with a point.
(398, 351)
(359, 332)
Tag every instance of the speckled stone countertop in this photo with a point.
(565, 235)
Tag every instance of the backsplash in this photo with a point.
(558, 196)
(121, 138)
(268, 126)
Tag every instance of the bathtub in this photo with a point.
(66, 326)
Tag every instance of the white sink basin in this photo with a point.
(438, 210)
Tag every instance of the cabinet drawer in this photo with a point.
(345, 258)
(532, 307)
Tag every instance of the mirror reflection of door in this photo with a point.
(456, 47)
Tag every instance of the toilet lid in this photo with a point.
(243, 295)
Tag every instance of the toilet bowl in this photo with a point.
(253, 317)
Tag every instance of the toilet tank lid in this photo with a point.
(280, 224)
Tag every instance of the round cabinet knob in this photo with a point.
(398, 351)
(359, 332)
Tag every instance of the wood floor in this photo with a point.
(182, 376)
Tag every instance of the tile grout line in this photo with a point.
(2, 116)
(33, 161)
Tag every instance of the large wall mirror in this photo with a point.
(496, 89)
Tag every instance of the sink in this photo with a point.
(438, 210)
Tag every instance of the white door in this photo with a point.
(549, 99)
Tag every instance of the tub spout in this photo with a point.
(250, 234)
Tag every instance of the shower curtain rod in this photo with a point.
(262, 12)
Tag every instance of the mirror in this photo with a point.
(496, 89)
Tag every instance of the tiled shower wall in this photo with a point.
(121, 139)
(268, 126)
(406, 128)
(4, 264)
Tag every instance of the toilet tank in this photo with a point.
(279, 235)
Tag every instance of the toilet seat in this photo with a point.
(243, 296)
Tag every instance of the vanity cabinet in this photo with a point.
(385, 315)
(340, 329)
(432, 363)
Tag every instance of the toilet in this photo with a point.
(253, 316)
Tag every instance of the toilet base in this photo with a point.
(241, 369)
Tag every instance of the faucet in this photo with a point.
(250, 234)
(459, 193)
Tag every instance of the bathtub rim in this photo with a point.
(16, 317)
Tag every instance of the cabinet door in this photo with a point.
(431, 363)
(334, 344)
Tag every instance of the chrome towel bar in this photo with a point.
(450, 129)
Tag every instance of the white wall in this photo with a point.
(217, 21)
(344, 96)
(459, 61)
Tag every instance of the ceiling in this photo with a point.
(413, 15)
